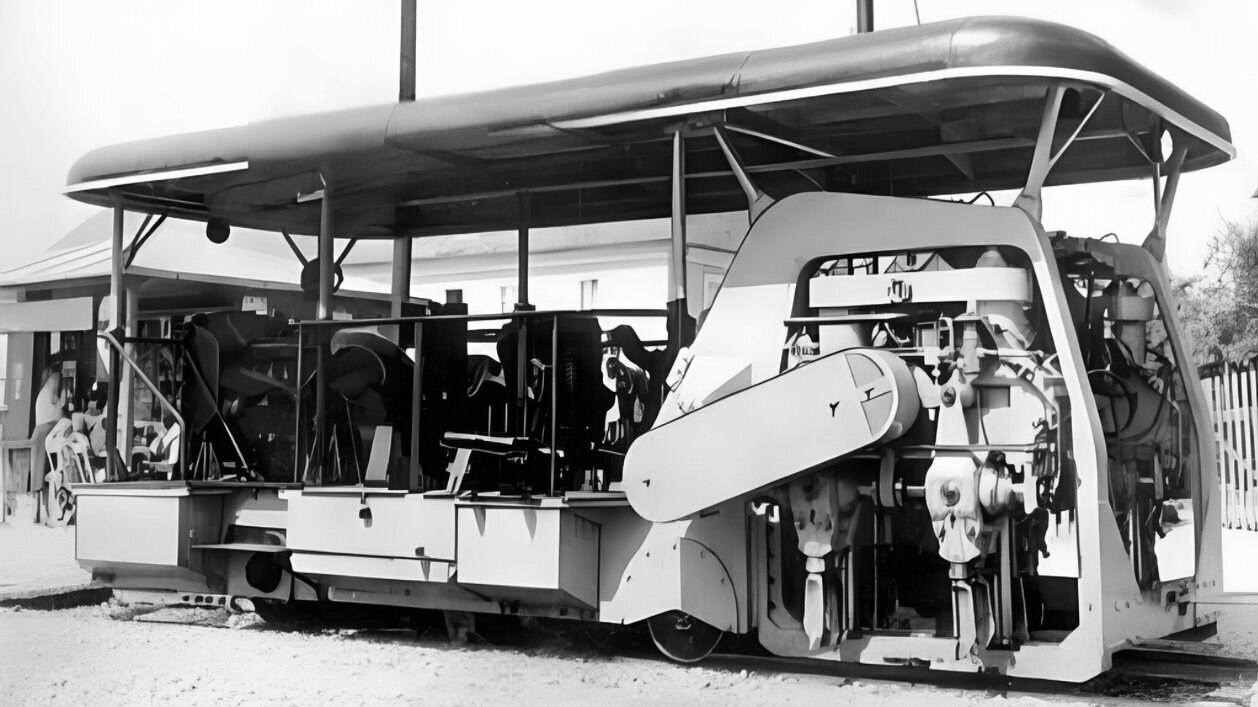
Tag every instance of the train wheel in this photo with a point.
(682, 637)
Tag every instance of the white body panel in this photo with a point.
(145, 527)
(401, 525)
(767, 434)
(537, 548)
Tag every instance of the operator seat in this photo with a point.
(374, 377)
(243, 377)
(581, 400)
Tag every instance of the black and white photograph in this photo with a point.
(672, 352)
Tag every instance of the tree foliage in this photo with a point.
(1218, 307)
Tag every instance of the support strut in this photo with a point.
(323, 312)
(115, 320)
(677, 253)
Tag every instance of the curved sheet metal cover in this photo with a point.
(945, 108)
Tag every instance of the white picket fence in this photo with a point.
(1232, 393)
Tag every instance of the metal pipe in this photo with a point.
(323, 312)
(736, 166)
(112, 472)
(126, 392)
(864, 16)
(1078, 129)
(414, 470)
(301, 257)
(523, 315)
(1155, 243)
(524, 202)
(345, 252)
(1041, 160)
(406, 57)
(1157, 188)
(677, 254)
(116, 265)
(401, 280)
(298, 437)
(327, 259)
(554, 394)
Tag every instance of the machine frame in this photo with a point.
(675, 557)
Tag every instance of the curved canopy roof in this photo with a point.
(943, 108)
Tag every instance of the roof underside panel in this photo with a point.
(947, 108)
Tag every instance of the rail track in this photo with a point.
(1157, 671)
(1142, 675)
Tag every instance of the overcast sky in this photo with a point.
(79, 74)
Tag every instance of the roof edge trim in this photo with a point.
(138, 177)
(1048, 72)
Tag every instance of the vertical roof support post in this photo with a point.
(401, 280)
(414, 468)
(323, 312)
(1155, 242)
(115, 364)
(677, 253)
(327, 257)
(116, 265)
(524, 202)
(1042, 161)
(554, 404)
(126, 377)
(401, 284)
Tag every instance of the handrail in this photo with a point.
(166, 404)
(529, 314)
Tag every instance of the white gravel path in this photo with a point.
(83, 657)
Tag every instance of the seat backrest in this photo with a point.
(581, 399)
(201, 396)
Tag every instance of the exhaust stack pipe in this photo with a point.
(406, 59)
(864, 16)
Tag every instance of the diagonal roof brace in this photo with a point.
(757, 200)
(1155, 242)
(1078, 129)
(141, 237)
(778, 140)
(1042, 160)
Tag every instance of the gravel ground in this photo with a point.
(111, 655)
(33, 557)
(83, 656)
(107, 655)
